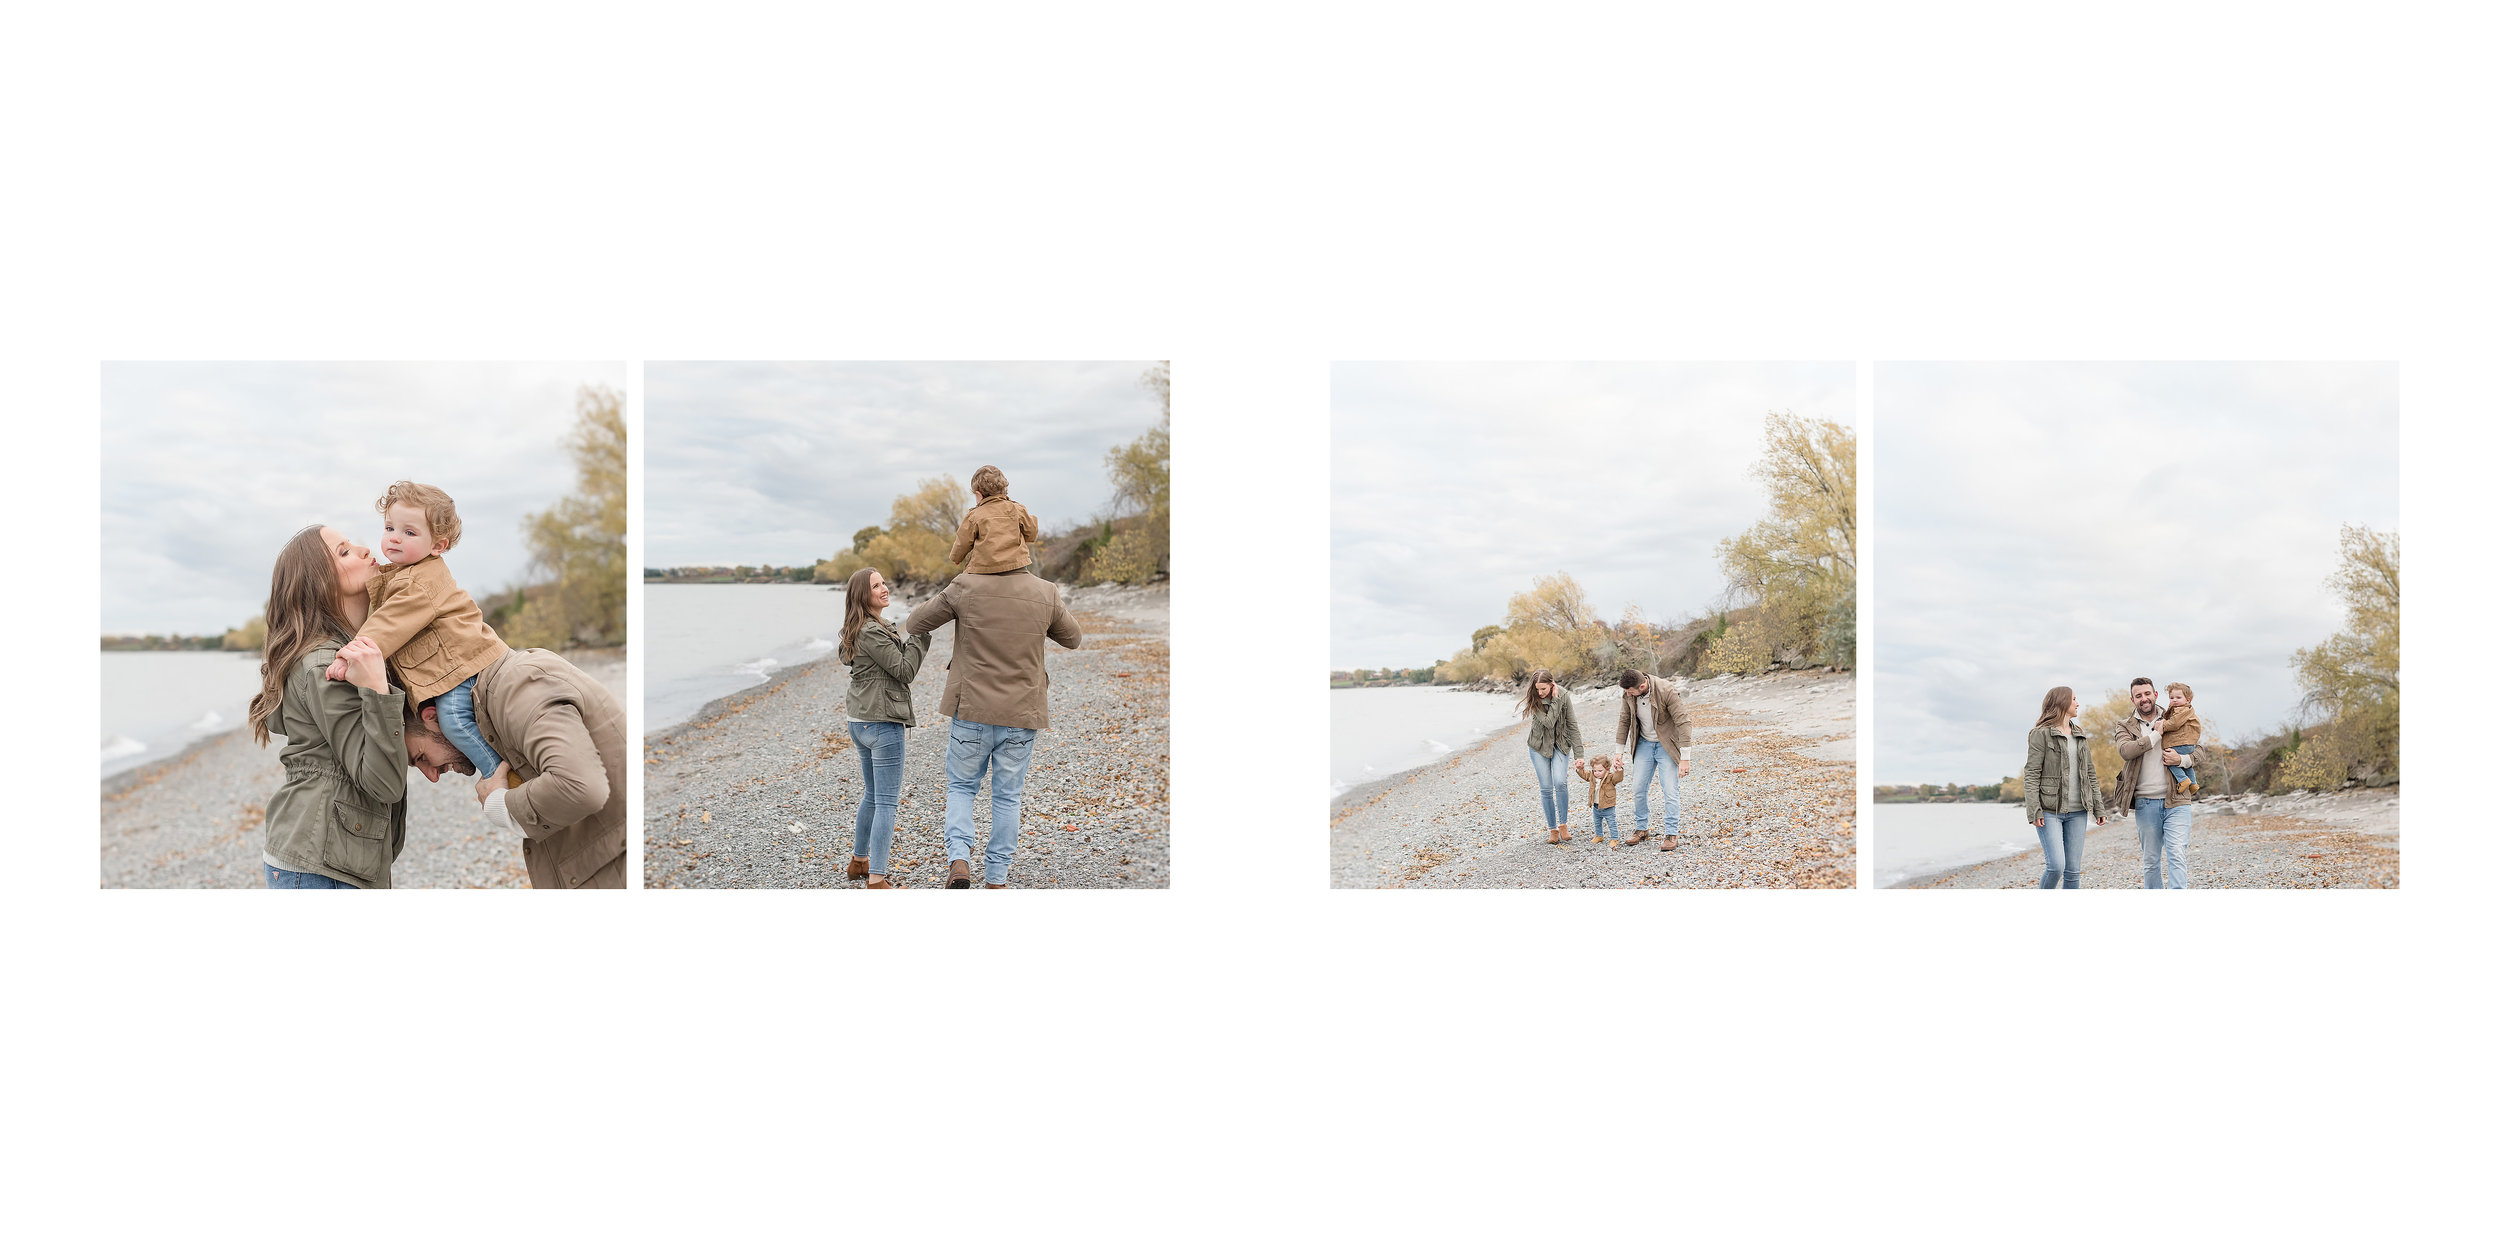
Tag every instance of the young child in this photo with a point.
(1602, 773)
(430, 629)
(995, 532)
(2181, 730)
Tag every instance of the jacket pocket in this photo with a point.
(358, 841)
(422, 662)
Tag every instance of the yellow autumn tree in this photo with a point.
(577, 547)
(2353, 676)
(1798, 565)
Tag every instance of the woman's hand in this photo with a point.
(360, 663)
(2098, 821)
(2041, 823)
(487, 785)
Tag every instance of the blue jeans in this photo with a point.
(2187, 771)
(2061, 840)
(1553, 786)
(1650, 756)
(459, 721)
(2163, 833)
(1004, 752)
(880, 746)
(282, 879)
(1604, 819)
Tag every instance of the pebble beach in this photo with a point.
(761, 788)
(194, 821)
(2296, 841)
(1770, 804)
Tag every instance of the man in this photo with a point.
(1654, 723)
(562, 783)
(2161, 825)
(998, 698)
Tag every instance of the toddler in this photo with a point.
(1602, 773)
(430, 628)
(2181, 730)
(995, 532)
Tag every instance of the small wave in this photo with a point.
(819, 644)
(209, 722)
(119, 747)
(759, 668)
(1436, 747)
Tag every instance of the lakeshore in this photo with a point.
(760, 788)
(194, 821)
(2296, 841)
(1771, 803)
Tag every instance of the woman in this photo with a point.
(2061, 785)
(341, 815)
(882, 664)
(1553, 742)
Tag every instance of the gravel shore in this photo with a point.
(760, 789)
(194, 821)
(2296, 841)
(1771, 803)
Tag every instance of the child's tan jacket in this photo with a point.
(994, 535)
(429, 627)
(2180, 730)
(1601, 774)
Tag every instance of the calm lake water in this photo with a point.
(158, 702)
(1373, 733)
(708, 641)
(1920, 839)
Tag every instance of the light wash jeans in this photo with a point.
(880, 746)
(454, 710)
(2163, 833)
(1004, 752)
(284, 879)
(1553, 786)
(1604, 819)
(1650, 756)
(2061, 841)
(2187, 771)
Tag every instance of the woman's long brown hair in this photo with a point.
(303, 613)
(2053, 708)
(854, 610)
(1529, 703)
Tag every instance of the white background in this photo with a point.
(1248, 1058)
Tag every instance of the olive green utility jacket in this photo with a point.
(2044, 776)
(343, 809)
(1556, 727)
(882, 664)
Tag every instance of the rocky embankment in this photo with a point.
(2296, 841)
(1771, 803)
(761, 789)
(195, 820)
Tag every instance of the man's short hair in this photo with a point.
(1633, 677)
(2177, 686)
(988, 481)
(2140, 681)
(442, 519)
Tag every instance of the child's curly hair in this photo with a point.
(2180, 687)
(442, 518)
(988, 481)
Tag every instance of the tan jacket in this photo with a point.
(564, 736)
(2181, 726)
(994, 535)
(1666, 715)
(429, 628)
(2134, 751)
(1601, 774)
(996, 676)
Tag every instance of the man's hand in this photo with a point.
(1683, 769)
(360, 663)
(492, 782)
(2170, 757)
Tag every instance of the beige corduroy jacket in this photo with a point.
(564, 736)
(1001, 620)
(994, 535)
(429, 628)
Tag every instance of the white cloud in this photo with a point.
(208, 469)
(2038, 525)
(1454, 486)
(754, 463)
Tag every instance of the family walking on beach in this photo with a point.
(997, 696)
(373, 666)
(1652, 730)
(2062, 788)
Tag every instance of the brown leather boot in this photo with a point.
(959, 874)
(1667, 843)
(858, 868)
(1000, 886)
(887, 884)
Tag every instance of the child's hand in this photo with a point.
(338, 667)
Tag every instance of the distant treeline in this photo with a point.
(246, 637)
(735, 574)
(1346, 678)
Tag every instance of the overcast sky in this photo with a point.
(208, 469)
(2084, 525)
(1455, 486)
(782, 463)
